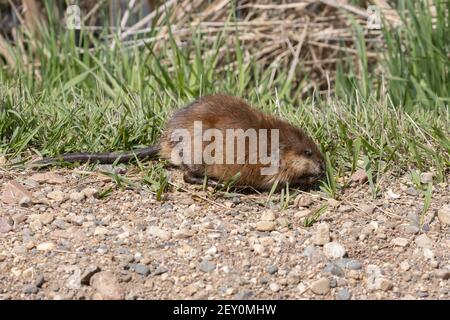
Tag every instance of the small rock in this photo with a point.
(46, 218)
(334, 269)
(321, 286)
(400, 242)
(76, 196)
(359, 176)
(268, 215)
(444, 214)
(140, 269)
(258, 248)
(160, 270)
(274, 287)
(48, 177)
(423, 241)
(39, 281)
(293, 277)
(90, 192)
(443, 274)
(88, 273)
(56, 195)
(272, 269)
(265, 226)
(322, 235)
(343, 294)
(347, 263)
(426, 177)
(45, 246)
(183, 234)
(158, 232)
(283, 222)
(302, 214)
(303, 200)
(25, 201)
(411, 192)
(391, 194)
(106, 284)
(334, 250)
(5, 227)
(345, 208)
(13, 192)
(30, 289)
(405, 266)
(207, 266)
(367, 208)
(428, 254)
(100, 231)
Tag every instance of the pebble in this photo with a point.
(272, 269)
(322, 235)
(160, 270)
(343, 294)
(90, 192)
(426, 177)
(76, 196)
(106, 284)
(183, 234)
(321, 286)
(268, 215)
(56, 195)
(405, 266)
(283, 222)
(30, 289)
(391, 194)
(293, 277)
(412, 192)
(444, 215)
(400, 242)
(5, 227)
(423, 241)
(345, 208)
(334, 269)
(88, 273)
(443, 274)
(159, 233)
(140, 268)
(25, 201)
(334, 250)
(207, 266)
(265, 226)
(367, 208)
(258, 248)
(303, 200)
(45, 246)
(48, 177)
(359, 176)
(46, 218)
(39, 281)
(274, 287)
(100, 231)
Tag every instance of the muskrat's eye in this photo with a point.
(307, 152)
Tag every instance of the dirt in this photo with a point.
(74, 234)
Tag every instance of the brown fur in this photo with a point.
(227, 112)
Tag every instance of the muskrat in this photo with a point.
(294, 158)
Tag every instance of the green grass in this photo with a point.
(119, 99)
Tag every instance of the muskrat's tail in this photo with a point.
(103, 157)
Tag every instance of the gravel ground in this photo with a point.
(60, 240)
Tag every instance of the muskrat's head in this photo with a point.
(300, 159)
